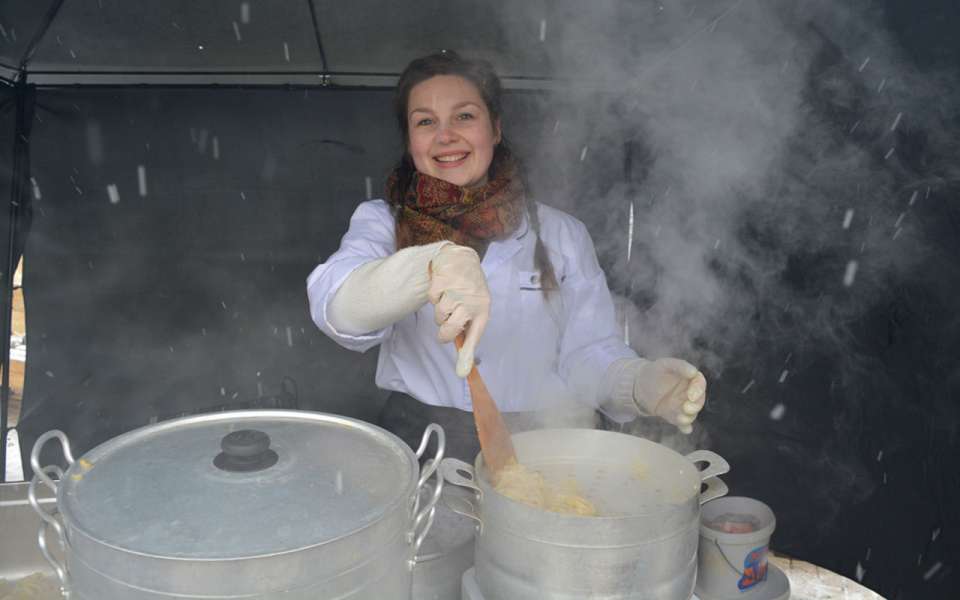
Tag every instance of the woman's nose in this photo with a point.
(446, 135)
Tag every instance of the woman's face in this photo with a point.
(452, 136)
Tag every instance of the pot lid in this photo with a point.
(238, 484)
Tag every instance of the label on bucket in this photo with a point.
(754, 568)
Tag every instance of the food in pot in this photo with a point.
(732, 523)
(525, 485)
(33, 587)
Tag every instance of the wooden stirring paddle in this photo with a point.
(495, 443)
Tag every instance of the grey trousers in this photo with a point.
(407, 418)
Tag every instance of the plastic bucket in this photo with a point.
(734, 538)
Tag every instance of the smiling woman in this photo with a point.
(459, 245)
(451, 133)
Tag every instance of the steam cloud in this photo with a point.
(774, 170)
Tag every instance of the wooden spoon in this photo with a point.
(495, 443)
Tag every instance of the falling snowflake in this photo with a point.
(113, 193)
(932, 571)
(851, 273)
(848, 218)
(896, 121)
(142, 180)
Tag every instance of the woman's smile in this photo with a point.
(451, 160)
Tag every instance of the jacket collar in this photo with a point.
(501, 251)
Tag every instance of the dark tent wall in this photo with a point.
(173, 234)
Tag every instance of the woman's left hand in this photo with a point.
(671, 389)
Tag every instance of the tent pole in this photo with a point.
(316, 33)
(19, 210)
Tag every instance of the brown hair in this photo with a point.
(481, 74)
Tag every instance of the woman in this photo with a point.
(460, 247)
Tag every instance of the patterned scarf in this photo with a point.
(434, 210)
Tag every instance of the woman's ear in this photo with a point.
(498, 132)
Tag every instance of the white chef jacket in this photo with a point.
(533, 355)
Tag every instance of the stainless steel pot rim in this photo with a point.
(542, 441)
(400, 497)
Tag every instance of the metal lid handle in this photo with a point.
(245, 451)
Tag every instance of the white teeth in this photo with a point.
(451, 158)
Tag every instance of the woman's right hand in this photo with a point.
(461, 299)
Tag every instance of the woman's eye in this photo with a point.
(423, 122)
(465, 116)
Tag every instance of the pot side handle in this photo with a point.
(50, 519)
(423, 516)
(716, 465)
(459, 473)
(38, 471)
(715, 488)
(464, 508)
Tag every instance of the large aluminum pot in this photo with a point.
(261, 504)
(643, 546)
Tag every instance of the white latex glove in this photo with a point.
(381, 292)
(458, 290)
(671, 389)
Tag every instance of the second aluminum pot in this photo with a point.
(643, 546)
(259, 505)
